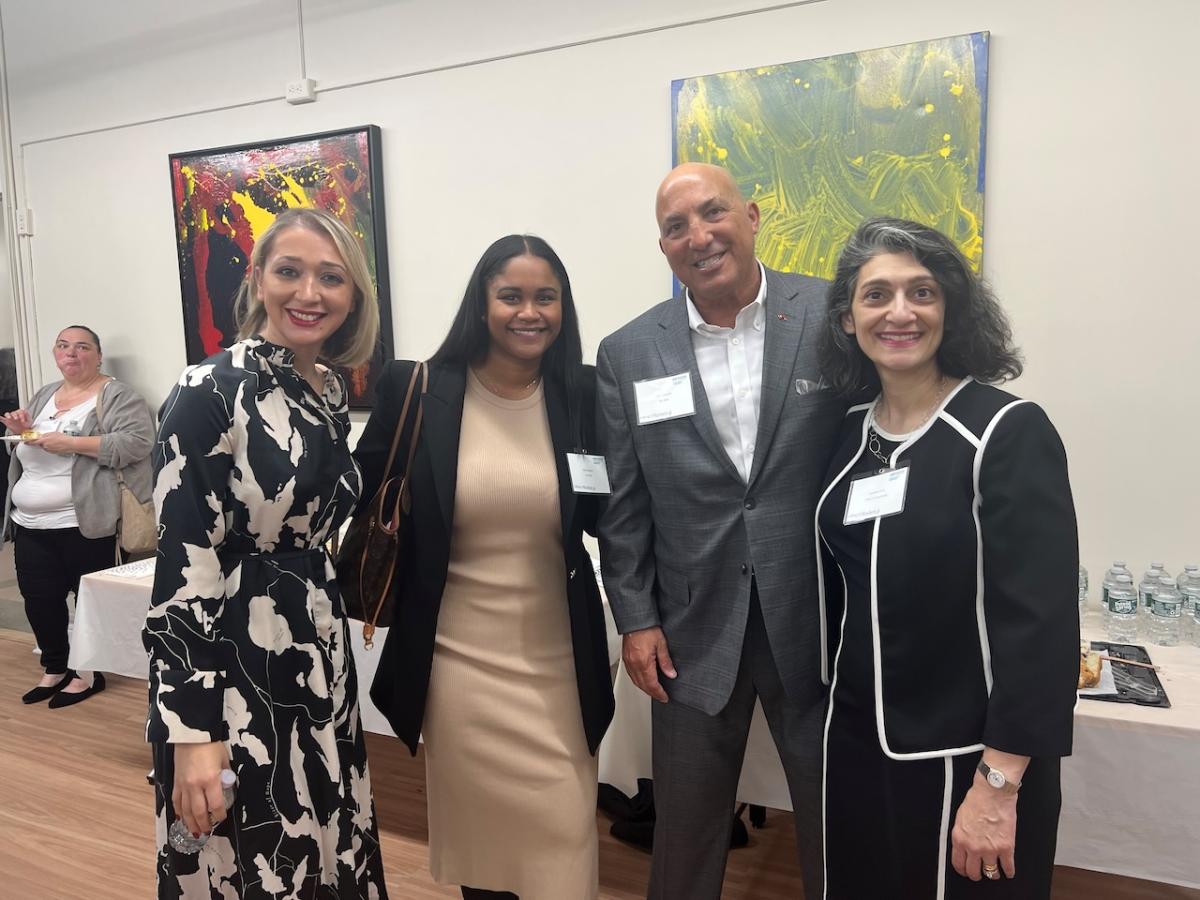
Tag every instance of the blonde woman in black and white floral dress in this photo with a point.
(250, 661)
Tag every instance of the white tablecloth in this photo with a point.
(107, 636)
(110, 611)
(1131, 791)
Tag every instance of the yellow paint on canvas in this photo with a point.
(260, 219)
(295, 194)
(866, 139)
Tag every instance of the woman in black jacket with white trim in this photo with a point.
(949, 554)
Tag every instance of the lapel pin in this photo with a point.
(783, 317)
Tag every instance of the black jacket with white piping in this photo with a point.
(973, 586)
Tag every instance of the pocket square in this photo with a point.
(804, 386)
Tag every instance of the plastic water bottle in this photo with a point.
(1166, 612)
(1189, 587)
(1122, 610)
(1195, 623)
(1110, 577)
(1148, 585)
(1189, 571)
(1083, 592)
(178, 835)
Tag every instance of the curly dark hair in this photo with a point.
(976, 340)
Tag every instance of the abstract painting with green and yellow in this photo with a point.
(822, 144)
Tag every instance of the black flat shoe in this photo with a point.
(60, 700)
(40, 693)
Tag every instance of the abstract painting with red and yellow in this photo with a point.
(226, 197)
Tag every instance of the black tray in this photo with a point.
(1134, 684)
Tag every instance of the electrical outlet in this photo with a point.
(25, 222)
(303, 90)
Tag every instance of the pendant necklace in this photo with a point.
(873, 443)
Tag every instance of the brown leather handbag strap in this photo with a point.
(392, 522)
(412, 383)
(391, 526)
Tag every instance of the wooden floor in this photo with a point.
(76, 815)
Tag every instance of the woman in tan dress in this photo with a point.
(498, 653)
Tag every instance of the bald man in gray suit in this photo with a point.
(717, 432)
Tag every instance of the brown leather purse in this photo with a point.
(370, 554)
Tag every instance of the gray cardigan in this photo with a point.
(127, 437)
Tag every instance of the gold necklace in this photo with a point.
(491, 386)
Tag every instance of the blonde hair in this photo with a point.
(354, 342)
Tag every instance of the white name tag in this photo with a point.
(589, 474)
(876, 496)
(659, 399)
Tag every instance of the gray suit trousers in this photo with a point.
(697, 763)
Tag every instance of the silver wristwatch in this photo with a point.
(997, 779)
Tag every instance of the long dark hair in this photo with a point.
(976, 339)
(468, 339)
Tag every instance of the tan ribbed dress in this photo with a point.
(511, 785)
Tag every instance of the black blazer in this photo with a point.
(975, 617)
(402, 679)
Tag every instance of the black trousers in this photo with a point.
(49, 563)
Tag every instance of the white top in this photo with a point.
(42, 495)
(730, 361)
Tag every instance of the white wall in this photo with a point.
(1091, 187)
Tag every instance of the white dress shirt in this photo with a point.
(731, 362)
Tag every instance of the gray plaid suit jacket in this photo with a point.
(683, 535)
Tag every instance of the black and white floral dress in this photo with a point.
(247, 641)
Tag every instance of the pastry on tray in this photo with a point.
(1089, 668)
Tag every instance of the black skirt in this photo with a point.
(888, 822)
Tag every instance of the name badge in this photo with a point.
(876, 495)
(589, 474)
(660, 399)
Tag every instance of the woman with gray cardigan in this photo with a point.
(63, 500)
